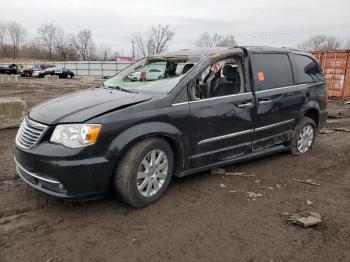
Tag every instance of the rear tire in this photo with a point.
(144, 172)
(303, 136)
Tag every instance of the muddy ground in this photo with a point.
(203, 217)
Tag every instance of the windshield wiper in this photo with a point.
(119, 88)
(124, 89)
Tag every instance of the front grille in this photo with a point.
(29, 133)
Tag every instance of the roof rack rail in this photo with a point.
(293, 49)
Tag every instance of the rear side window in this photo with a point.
(271, 71)
(307, 69)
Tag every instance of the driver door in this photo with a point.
(221, 127)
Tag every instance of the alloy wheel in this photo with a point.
(305, 138)
(152, 172)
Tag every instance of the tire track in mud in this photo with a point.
(23, 226)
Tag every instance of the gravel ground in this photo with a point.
(202, 217)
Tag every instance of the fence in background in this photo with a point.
(336, 70)
(93, 68)
(88, 68)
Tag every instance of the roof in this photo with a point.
(203, 52)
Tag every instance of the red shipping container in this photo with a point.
(336, 69)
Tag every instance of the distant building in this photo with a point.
(123, 58)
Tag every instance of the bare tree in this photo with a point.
(161, 35)
(332, 43)
(207, 40)
(227, 41)
(155, 42)
(320, 42)
(141, 47)
(3, 44)
(64, 46)
(84, 44)
(17, 35)
(47, 36)
(53, 43)
(104, 53)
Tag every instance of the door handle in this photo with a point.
(245, 105)
(264, 102)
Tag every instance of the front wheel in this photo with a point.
(144, 173)
(303, 136)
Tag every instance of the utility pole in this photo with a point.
(133, 50)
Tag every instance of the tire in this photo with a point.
(302, 142)
(131, 174)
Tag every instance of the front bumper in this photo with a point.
(47, 185)
(65, 178)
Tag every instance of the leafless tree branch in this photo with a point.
(320, 42)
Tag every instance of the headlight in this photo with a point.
(76, 135)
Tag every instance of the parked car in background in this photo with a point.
(58, 71)
(8, 69)
(211, 108)
(34, 70)
(147, 74)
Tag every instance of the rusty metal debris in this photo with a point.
(344, 129)
(309, 182)
(339, 115)
(306, 221)
(326, 131)
(240, 174)
(221, 171)
(309, 202)
(254, 195)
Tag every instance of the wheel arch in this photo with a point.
(311, 110)
(129, 137)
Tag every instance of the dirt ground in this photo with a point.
(203, 217)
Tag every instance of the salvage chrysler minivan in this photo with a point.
(206, 109)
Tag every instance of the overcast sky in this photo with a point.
(259, 22)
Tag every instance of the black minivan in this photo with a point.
(207, 109)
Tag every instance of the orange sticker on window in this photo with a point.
(261, 76)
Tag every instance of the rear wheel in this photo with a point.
(144, 173)
(303, 136)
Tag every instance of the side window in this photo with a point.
(307, 69)
(221, 78)
(58, 70)
(271, 71)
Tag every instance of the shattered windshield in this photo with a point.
(155, 75)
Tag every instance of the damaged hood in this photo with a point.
(80, 106)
